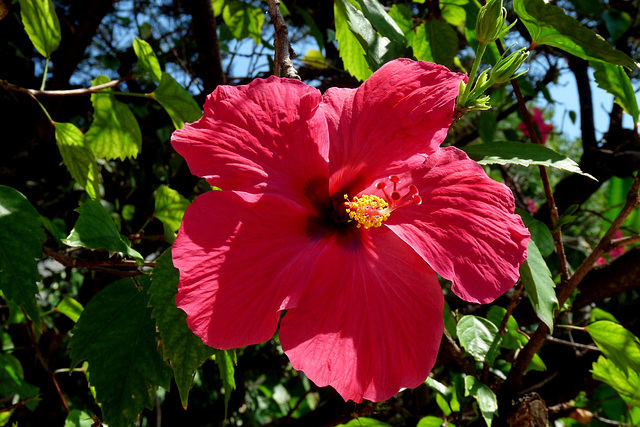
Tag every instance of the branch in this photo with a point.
(282, 59)
(109, 266)
(82, 91)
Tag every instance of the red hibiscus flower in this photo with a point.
(538, 121)
(338, 208)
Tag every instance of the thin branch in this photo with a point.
(284, 52)
(573, 344)
(109, 266)
(82, 91)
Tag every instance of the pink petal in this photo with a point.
(371, 321)
(465, 228)
(262, 137)
(242, 259)
(405, 107)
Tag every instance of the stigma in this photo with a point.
(370, 211)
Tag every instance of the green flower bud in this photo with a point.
(506, 67)
(489, 26)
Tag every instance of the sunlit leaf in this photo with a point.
(364, 422)
(487, 401)
(453, 14)
(617, 343)
(627, 384)
(431, 421)
(95, 229)
(401, 14)
(177, 101)
(20, 244)
(550, 25)
(243, 20)
(78, 158)
(170, 207)
(41, 24)
(147, 59)
(114, 132)
(315, 58)
(614, 80)
(184, 351)
(70, 308)
(77, 418)
(536, 278)
(434, 41)
(479, 337)
(12, 381)
(517, 153)
(226, 361)
(381, 21)
(117, 335)
(511, 339)
(351, 51)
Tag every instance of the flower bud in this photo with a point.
(490, 22)
(506, 67)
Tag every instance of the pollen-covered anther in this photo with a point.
(368, 211)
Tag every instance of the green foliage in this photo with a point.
(147, 60)
(517, 153)
(351, 51)
(485, 397)
(226, 361)
(536, 278)
(170, 207)
(614, 80)
(96, 230)
(12, 381)
(627, 384)
(243, 19)
(430, 421)
(617, 22)
(184, 351)
(20, 245)
(117, 335)
(479, 337)
(70, 308)
(434, 41)
(364, 422)
(177, 102)
(78, 158)
(550, 25)
(77, 418)
(41, 24)
(511, 339)
(540, 233)
(114, 132)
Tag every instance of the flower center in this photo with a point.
(371, 211)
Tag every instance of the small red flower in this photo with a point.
(338, 208)
(538, 121)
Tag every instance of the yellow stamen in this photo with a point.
(369, 211)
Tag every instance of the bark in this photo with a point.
(205, 31)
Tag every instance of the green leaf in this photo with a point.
(117, 335)
(364, 422)
(401, 15)
(540, 233)
(479, 337)
(517, 153)
(96, 230)
(170, 207)
(244, 20)
(536, 278)
(431, 421)
(177, 101)
(591, 7)
(617, 343)
(313, 28)
(226, 361)
(20, 245)
(617, 22)
(381, 21)
(536, 364)
(184, 351)
(614, 80)
(12, 381)
(511, 339)
(550, 25)
(217, 6)
(114, 132)
(78, 158)
(351, 51)
(77, 418)
(439, 387)
(487, 401)
(315, 58)
(453, 14)
(627, 384)
(70, 308)
(147, 59)
(599, 314)
(487, 125)
(41, 24)
(434, 41)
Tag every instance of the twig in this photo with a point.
(573, 344)
(284, 52)
(82, 91)
(98, 265)
(622, 241)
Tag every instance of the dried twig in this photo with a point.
(282, 60)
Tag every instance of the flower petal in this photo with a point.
(465, 227)
(261, 137)
(371, 321)
(242, 259)
(405, 107)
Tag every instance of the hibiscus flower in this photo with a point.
(538, 121)
(337, 209)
